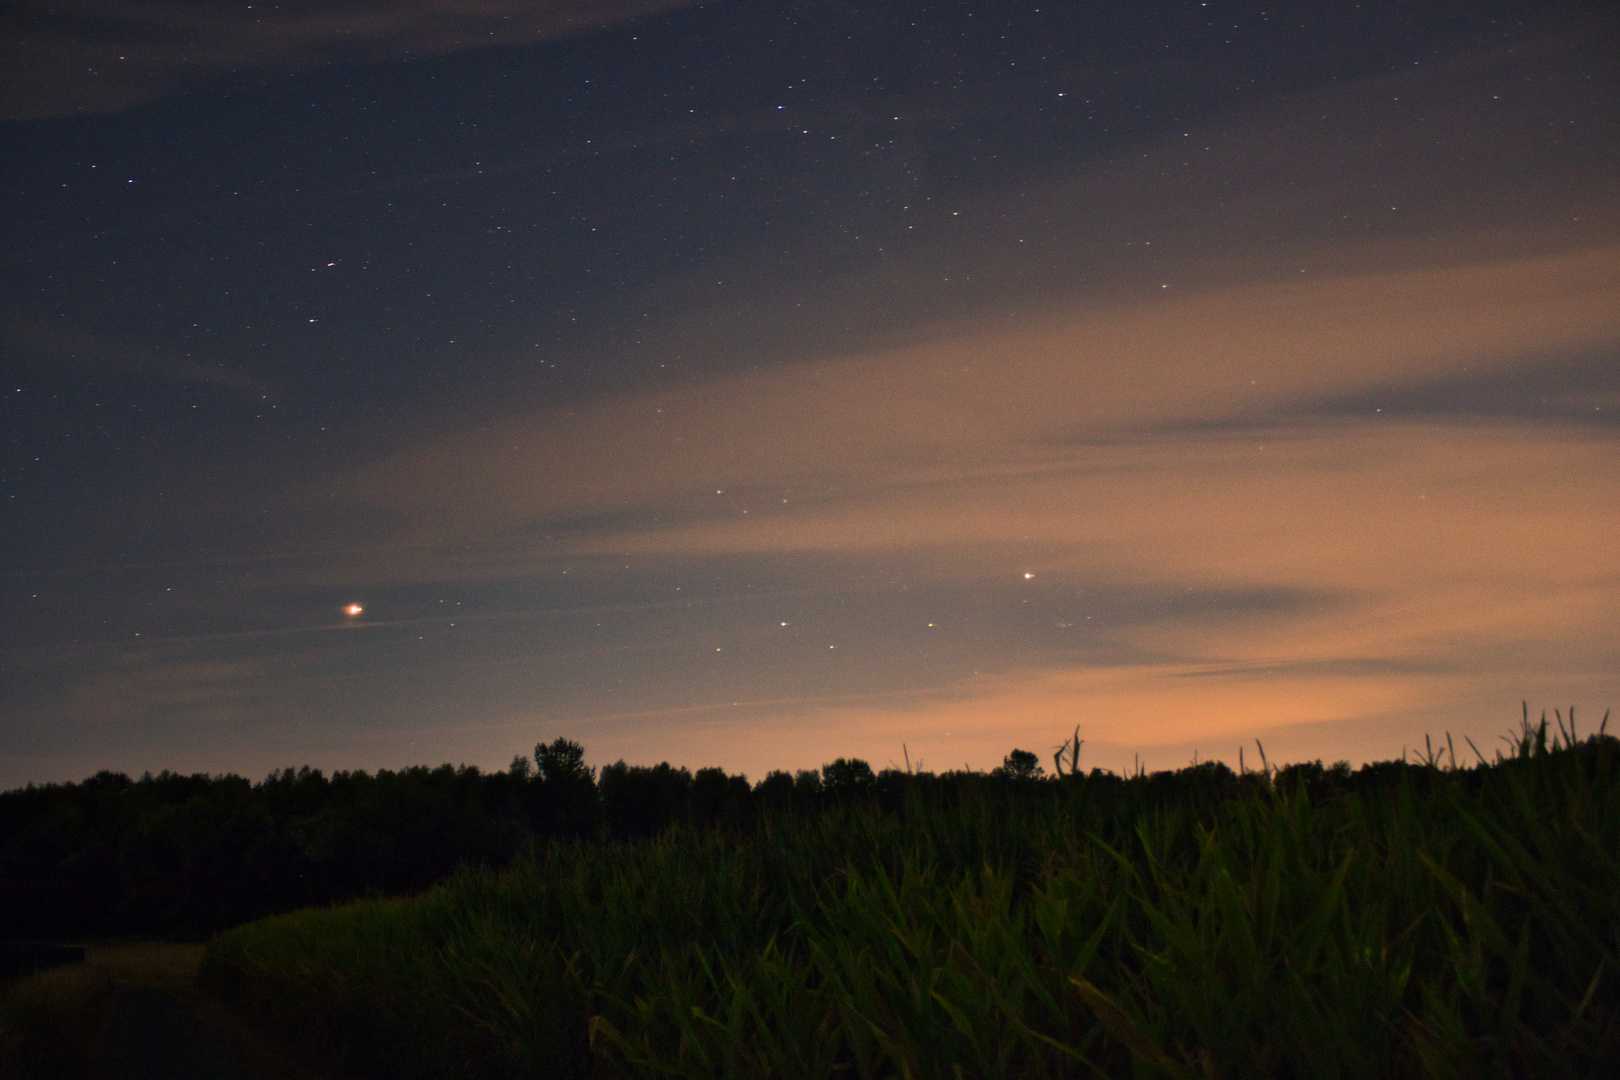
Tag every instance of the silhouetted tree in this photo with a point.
(717, 797)
(565, 801)
(640, 800)
(847, 779)
(774, 794)
(807, 789)
(1021, 765)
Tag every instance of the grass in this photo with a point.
(1419, 921)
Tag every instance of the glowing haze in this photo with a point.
(1289, 418)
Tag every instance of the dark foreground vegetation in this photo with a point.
(1399, 920)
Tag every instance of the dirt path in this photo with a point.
(150, 1034)
(133, 1012)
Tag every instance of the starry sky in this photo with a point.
(753, 383)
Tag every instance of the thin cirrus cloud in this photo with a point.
(90, 356)
(1434, 165)
(979, 402)
(1456, 561)
(95, 56)
(1385, 485)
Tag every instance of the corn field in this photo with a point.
(1422, 920)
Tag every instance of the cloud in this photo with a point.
(134, 694)
(95, 56)
(1410, 170)
(948, 412)
(1152, 716)
(1335, 588)
(1583, 389)
(1403, 572)
(92, 356)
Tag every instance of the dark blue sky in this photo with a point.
(308, 304)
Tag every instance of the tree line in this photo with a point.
(184, 856)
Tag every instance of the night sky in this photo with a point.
(747, 383)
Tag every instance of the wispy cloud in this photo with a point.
(1415, 565)
(92, 56)
(88, 355)
(947, 411)
(1383, 485)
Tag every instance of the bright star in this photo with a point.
(352, 610)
